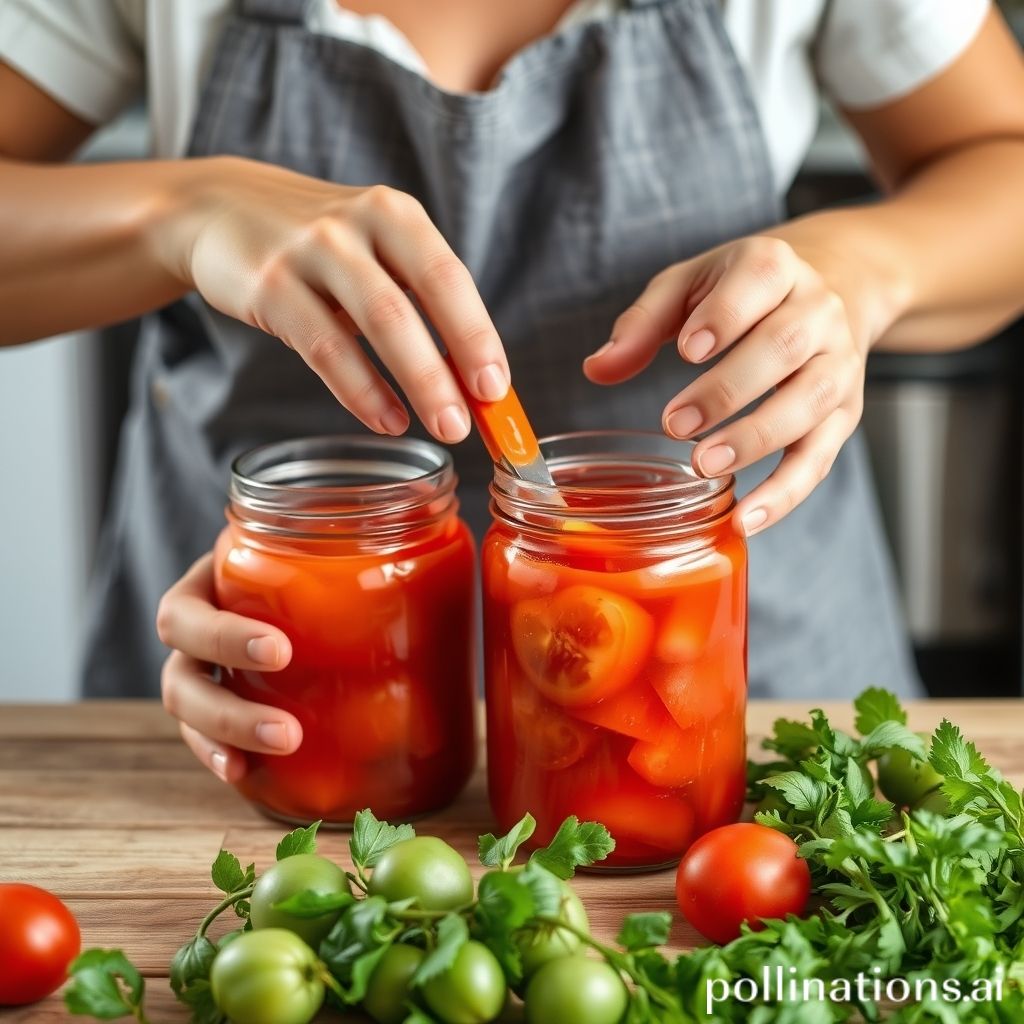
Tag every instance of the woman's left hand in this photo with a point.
(782, 324)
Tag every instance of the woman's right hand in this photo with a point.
(316, 265)
(217, 725)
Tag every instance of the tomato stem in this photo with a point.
(229, 901)
(357, 880)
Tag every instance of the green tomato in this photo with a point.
(538, 946)
(904, 779)
(426, 869)
(574, 990)
(267, 977)
(934, 801)
(388, 988)
(471, 991)
(288, 877)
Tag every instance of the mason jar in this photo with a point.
(615, 634)
(353, 546)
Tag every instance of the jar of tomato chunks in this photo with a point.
(354, 548)
(615, 639)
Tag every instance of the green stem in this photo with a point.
(357, 881)
(229, 901)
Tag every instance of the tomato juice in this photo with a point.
(616, 649)
(365, 565)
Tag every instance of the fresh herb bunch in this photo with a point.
(924, 895)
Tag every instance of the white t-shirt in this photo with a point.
(97, 56)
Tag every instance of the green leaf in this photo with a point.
(199, 997)
(875, 706)
(371, 838)
(309, 903)
(887, 735)
(362, 968)
(576, 844)
(801, 792)
(300, 840)
(545, 888)
(105, 984)
(452, 935)
(640, 931)
(192, 962)
(793, 740)
(360, 929)
(495, 852)
(504, 900)
(227, 872)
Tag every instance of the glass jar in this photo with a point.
(615, 634)
(353, 547)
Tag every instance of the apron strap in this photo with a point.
(287, 11)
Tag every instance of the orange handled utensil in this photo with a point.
(506, 433)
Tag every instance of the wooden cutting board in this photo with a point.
(102, 804)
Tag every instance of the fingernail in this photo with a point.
(605, 348)
(699, 345)
(219, 764)
(395, 421)
(452, 424)
(753, 521)
(684, 422)
(717, 460)
(262, 650)
(492, 383)
(273, 735)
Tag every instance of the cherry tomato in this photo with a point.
(288, 877)
(582, 644)
(471, 991)
(426, 869)
(39, 937)
(904, 779)
(388, 988)
(573, 989)
(738, 873)
(267, 977)
(540, 945)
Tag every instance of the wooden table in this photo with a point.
(102, 804)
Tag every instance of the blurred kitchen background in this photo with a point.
(945, 432)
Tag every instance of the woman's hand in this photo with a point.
(778, 322)
(216, 724)
(316, 265)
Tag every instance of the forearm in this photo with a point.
(937, 265)
(83, 246)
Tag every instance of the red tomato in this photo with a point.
(738, 873)
(582, 644)
(39, 937)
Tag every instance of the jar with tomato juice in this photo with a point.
(615, 646)
(354, 548)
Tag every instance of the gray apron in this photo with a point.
(604, 153)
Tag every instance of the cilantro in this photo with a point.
(576, 844)
(495, 852)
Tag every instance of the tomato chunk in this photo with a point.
(636, 711)
(697, 692)
(634, 812)
(672, 759)
(582, 644)
(551, 739)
